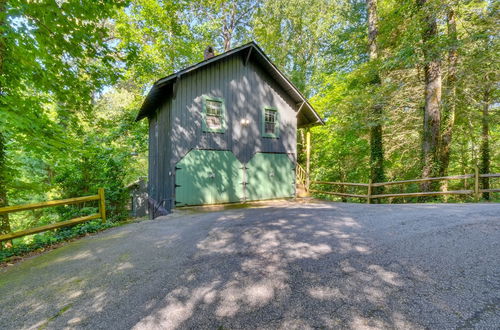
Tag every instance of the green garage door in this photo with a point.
(208, 177)
(270, 176)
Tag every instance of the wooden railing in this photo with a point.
(369, 196)
(301, 176)
(17, 208)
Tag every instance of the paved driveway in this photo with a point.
(284, 265)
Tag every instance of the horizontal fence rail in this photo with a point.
(100, 197)
(342, 183)
(27, 207)
(453, 177)
(337, 193)
(369, 196)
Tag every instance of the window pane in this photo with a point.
(214, 122)
(213, 107)
(269, 128)
(270, 116)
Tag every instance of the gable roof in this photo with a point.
(306, 115)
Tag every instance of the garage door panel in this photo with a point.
(208, 177)
(270, 176)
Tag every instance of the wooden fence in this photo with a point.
(17, 208)
(369, 196)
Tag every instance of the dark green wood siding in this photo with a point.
(246, 90)
(160, 178)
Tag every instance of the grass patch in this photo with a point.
(52, 318)
(41, 242)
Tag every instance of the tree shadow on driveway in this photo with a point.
(322, 265)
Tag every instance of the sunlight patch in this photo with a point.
(322, 233)
(374, 295)
(349, 222)
(257, 294)
(301, 250)
(218, 242)
(295, 324)
(124, 265)
(362, 249)
(75, 294)
(363, 323)
(180, 305)
(386, 276)
(325, 293)
(346, 267)
(74, 320)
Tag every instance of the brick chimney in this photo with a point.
(208, 53)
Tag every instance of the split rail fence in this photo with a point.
(370, 196)
(17, 208)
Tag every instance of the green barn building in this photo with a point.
(223, 131)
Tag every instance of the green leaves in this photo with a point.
(155, 39)
(295, 34)
(56, 58)
(52, 56)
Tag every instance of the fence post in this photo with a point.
(308, 158)
(368, 197)
(476, 184)
(102, 204)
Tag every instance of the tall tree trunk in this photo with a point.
(4, 219)
(485, 143)
(372, 28)
(376, 143)
(227, 34)
(228, 27)
(432, 116)
(451, 94)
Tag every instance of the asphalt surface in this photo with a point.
(281, 266)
